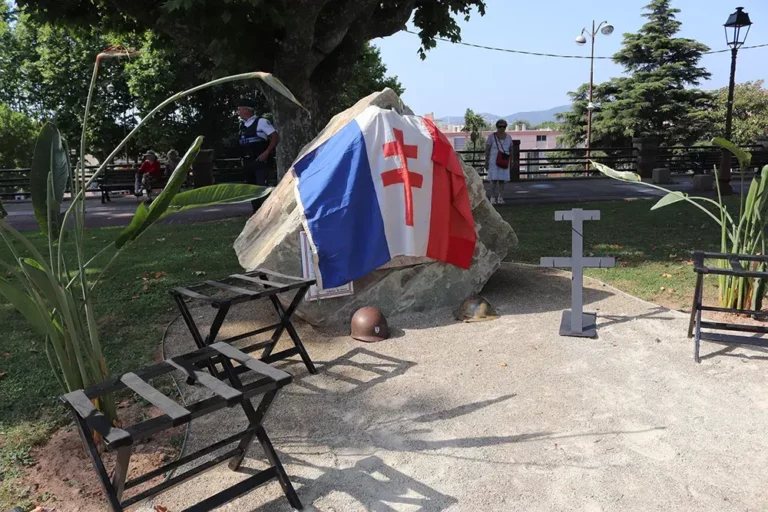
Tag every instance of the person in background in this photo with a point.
(258, 139)
(498, 151)
(172, 159)
(150, 168)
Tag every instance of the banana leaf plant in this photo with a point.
(52, 287)
(743, 235)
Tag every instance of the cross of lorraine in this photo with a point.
(402, 174)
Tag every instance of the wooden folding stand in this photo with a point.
(270, 380)
(239, 288)
(697, 325)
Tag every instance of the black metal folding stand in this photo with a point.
(696, 325)
(268, 383)
(238, 288)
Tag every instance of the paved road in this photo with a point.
(120, 211)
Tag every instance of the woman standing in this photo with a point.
(498, 151)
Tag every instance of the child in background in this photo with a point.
(150, 168)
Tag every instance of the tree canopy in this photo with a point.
(310, 45)
(658, 98)
(45, 69)
(750, 113)
(475, 124)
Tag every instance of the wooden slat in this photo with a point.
(252, 364)
(233, 289)
(114, 384)
(258, 280)
(274, 274)
(272, 286)
(177, 413)
(114, 437)
(152, 426)
(230, 394)
(194, 295)
(733, 339)
(734, 327)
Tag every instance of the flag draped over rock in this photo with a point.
(384, 185)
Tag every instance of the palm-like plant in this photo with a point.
(744, 234)
(53, 291)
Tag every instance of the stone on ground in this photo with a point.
(270, 240)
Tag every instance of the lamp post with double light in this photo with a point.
(735, 36)
(606, 29)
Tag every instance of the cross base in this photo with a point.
(588, 325)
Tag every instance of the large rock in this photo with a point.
(270, 240)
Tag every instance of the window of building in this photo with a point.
(459, 143)
(541, 138)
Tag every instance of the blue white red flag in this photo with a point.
(384, 185)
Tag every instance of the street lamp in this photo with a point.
(735, 37)
(606, 29)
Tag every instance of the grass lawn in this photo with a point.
(134, 306)
(652, 247)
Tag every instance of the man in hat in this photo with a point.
(150, 168)
(258, 139)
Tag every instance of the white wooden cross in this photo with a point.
(575, 322)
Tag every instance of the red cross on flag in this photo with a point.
(384, 185)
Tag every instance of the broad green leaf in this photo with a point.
(50, 159)
(24, 304)
(132, 230)
(161, 202)
(670, 198)
(226, 193)
(744, 157)
(617, 175)
(40, 279)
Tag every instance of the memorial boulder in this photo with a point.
(271, 240)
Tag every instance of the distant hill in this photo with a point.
(534, 117)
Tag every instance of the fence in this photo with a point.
(642, 158)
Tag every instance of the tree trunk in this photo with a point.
(296, 127)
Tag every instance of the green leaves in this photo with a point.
(226, 193)
(24, 304)
(744, 157)
(144, 218)
(617, 175)
(133, 229)
(670, 198)
(50, 167)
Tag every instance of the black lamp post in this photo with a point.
(735, 36)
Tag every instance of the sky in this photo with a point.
(454, 78)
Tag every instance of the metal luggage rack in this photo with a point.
(697, 325)
(268, 382)
(259, 284)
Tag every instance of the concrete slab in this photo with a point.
(507, 415)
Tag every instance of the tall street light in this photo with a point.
(606, 29)
(735, 36)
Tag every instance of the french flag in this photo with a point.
(384, 185)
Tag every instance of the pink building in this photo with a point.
(529, 139)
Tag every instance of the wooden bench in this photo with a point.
(123, 180)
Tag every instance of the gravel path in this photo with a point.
(507, 415)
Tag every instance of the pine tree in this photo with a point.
(659, 98)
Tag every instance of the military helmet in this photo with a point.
(369, 324)
(475, 309)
